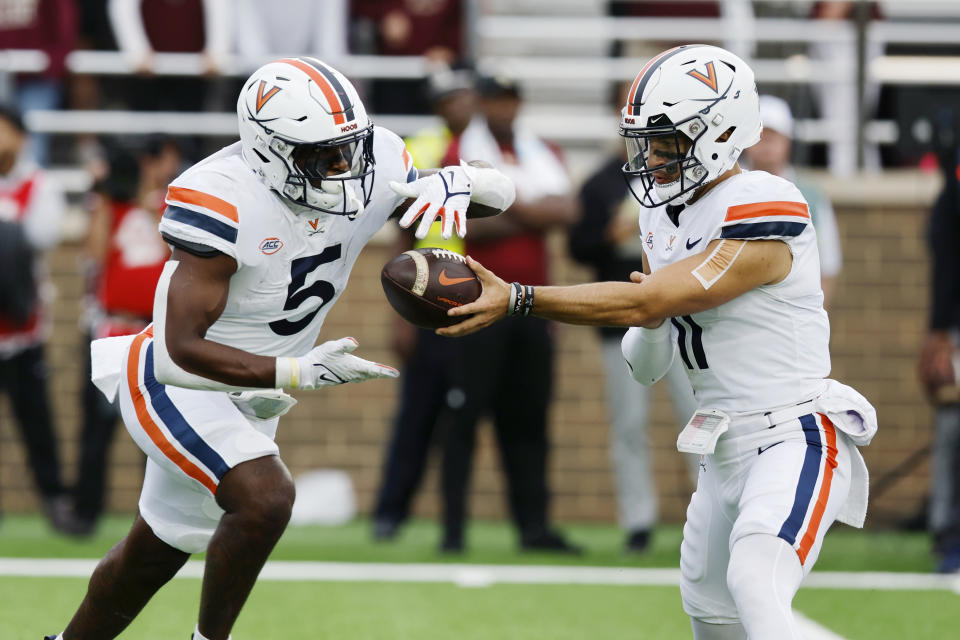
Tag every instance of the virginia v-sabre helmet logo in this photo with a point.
(699, 100)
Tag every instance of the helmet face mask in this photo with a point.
(335, 168)
(305, 132)
(697, 108)
(661, 158)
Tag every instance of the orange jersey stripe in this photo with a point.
(407, 159)
(828, 466)
(146, 421)
(205, 200)
(761, 209)
(325, 87)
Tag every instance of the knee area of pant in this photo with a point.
(760, 569)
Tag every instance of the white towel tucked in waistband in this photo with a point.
(106, 363)
(852, 414)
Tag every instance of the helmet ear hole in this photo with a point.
(263, 158)
(723, 137)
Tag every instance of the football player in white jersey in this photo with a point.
(264, 234)
(731, 283)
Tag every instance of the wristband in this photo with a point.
(527, 300)
(516, 298)
(511, 301)
(288, 373)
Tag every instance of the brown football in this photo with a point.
(423, 284)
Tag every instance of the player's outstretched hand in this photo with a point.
(485, 310)
(445, 194)
(331, 363)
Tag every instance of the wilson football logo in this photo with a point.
(271, 245)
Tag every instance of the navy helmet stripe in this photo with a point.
(335, 83)
(638, 96)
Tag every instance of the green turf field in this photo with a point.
(32, 606)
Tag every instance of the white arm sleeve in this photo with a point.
(490, 187)
(165, 370)
(649, 352)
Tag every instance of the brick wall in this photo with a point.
(878, 320)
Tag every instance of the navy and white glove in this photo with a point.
(329, 364)
(445, 194)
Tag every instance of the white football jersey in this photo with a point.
(291, 267)
(770, 346)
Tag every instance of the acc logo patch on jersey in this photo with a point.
(649, 240)
(271, 245)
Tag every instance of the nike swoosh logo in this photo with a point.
(323, 376)
(762, 449)
(691, 245)
(445, 281)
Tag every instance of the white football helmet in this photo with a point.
(697, 91)
(299, 120)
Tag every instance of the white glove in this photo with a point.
(329, 364)
(445, 194)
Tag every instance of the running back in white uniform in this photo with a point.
(770, 346)
(291, 268)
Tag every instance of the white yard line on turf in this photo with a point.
(476, 575)
(811, 630)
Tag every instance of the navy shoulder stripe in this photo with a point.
(775, 228)
(202, 221)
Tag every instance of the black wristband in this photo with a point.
(527, 299)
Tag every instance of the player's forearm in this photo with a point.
(608, 304)
(224, 364)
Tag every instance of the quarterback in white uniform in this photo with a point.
(264, 235)
(731, 286)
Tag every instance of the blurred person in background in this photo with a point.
(772, 154)
(734, 23)
(143, 29)
(607, 238)
(32, 207)
(124, 256)
(939, 365)
(304, 27)
(432, 367)
(838, 101)
(510, 366)
(49, 26)
(432, 29)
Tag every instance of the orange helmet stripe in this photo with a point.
(328, 91)
(633, 97)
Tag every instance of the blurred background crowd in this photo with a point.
(104, 102)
